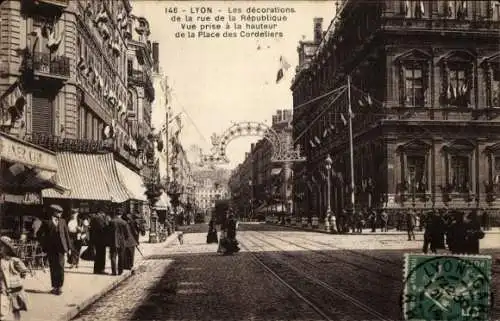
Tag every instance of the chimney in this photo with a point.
(156, 61)
(318, 30)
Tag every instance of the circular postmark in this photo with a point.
(446, 287)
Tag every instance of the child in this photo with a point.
(13, 299)
(180, 237)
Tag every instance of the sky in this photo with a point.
(222, 81)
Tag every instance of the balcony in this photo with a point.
(44, 65)
(57, 3)
(140, 78)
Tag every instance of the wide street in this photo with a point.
(280, 274)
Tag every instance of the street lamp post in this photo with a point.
(329, 215)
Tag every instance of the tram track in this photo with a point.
(280, 266)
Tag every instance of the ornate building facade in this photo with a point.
(424, 101)
(66, 84)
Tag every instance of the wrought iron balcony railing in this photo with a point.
(47, 64)
(59, 144)
(58, 3)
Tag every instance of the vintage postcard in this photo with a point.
(249, 160)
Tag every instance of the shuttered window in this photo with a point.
(42, 115)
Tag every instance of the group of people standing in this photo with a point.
(459, 230)
(227, 241)
(115, 230)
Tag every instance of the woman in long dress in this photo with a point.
(212, 232)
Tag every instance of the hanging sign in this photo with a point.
(26, 198)
(17, 152)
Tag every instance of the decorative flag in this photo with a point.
(422, 8)
(448, 92)
(351, 114)
(343, 119)
(325, 132)
(317, 140)
(323, 175)
(407, 8)
(312, 144)
(284, 66)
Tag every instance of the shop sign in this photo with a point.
(26, 198)
(17, 152)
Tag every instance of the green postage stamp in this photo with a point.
(438, 287)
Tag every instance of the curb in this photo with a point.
(127, 274)
(318, 230)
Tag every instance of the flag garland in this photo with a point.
(284, 66)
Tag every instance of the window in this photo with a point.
(495, 7)
(460, 173)
(458, 92)
(495, 86)
(417, 176)
(414, 9)
(414, 87)
(496, 171)
(455, 9)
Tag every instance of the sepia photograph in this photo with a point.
(249, 160)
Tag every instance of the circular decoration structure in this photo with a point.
(282, 150)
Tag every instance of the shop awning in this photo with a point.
(163, 203)
(27, 167)
(132, 181)
(89, 177)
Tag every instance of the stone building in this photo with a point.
(66, 85)
(424, 97)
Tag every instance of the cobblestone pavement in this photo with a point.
(346, 277)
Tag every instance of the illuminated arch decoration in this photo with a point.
(283, 150)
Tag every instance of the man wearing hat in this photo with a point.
(54, 238)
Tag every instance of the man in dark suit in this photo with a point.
(98, 238)
(118, 231)
(54, 238)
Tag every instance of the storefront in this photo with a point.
(134, 184)
(93, 180)
(25, 170)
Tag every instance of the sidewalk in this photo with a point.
(81, 286)
(366, 231)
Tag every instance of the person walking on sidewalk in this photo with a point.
(55, 240)
(75, 228)
(98, 233)
(119, 237)
(133, 231)
(13, 298)
(410, 224)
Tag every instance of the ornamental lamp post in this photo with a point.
(329, 215)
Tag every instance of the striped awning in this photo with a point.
(132, 182)
(163, 203)
(89, 177)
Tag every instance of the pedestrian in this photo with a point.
(385, 221)
(485, 219)
(98, 239)
(212, 231)
(76, 229)
(373, 219)
(410, 224)
(473, 233)
(13, 298)
(434, 233)
(131, 242)
(456, 233)
(55, 240)
(232, 243)
(118, 240)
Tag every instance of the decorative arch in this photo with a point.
(282, 149)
